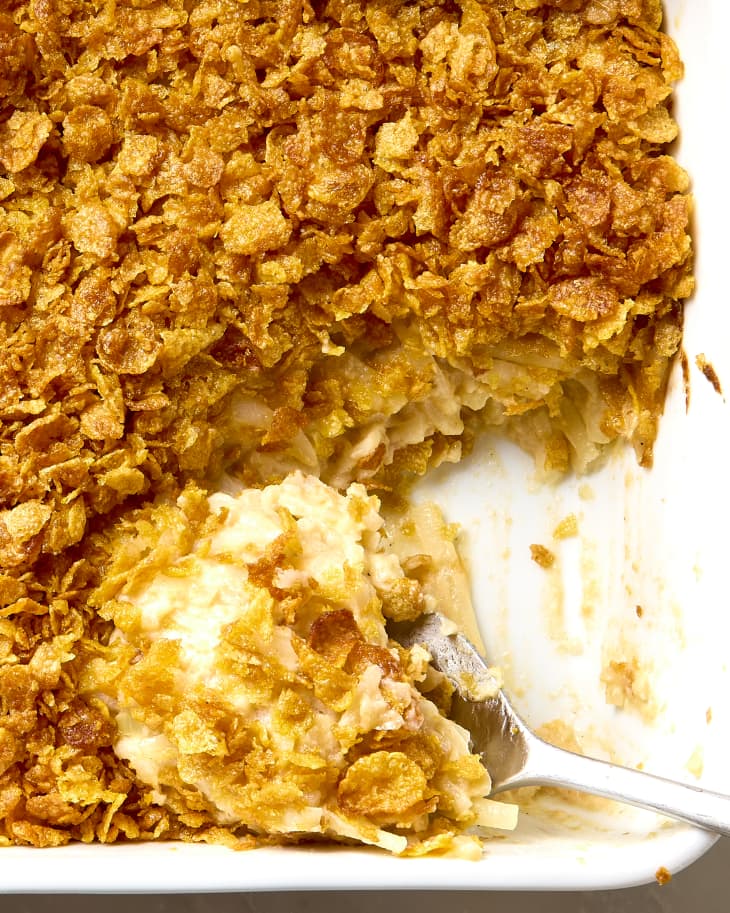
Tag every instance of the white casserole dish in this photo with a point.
(651, 539)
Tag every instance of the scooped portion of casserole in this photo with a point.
(253, 685)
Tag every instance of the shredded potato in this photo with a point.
(255, 236)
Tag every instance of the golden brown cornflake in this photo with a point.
(384, 786)
(542, 556)
(21, 139)
(264, 235)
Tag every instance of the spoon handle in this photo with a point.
(550, 766)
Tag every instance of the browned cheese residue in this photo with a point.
(707, 369)
(684, 362)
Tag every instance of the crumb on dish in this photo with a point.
(627, 681)
(567, 528)
(542, 555)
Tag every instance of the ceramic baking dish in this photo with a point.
(643, 584)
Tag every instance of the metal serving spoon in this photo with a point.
(515, 756)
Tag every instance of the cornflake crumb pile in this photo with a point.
(261, 237)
